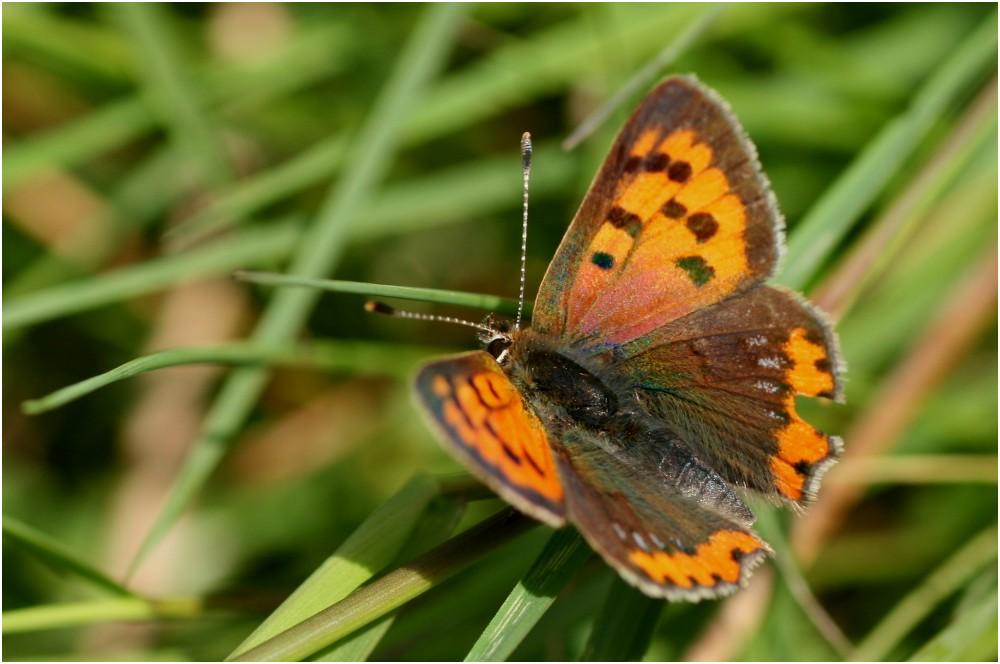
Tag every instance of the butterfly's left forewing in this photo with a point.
(494, 432)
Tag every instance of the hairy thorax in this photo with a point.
(560, 383)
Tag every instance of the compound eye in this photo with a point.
(498, 347)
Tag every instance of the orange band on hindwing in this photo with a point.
(800, 445)
(716, 560)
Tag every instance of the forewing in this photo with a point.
(678, 217)
(656, 515)
(484, 419)
(726, 377)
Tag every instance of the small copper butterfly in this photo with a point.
(659, 372)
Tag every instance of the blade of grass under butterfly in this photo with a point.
(57, 555)
(565, 552)
(642, 78)
(457, 298)
(368, 357)
(623, 628)
(797, 585)
(919, 602)
(391, 591)
(830, 219)
(318, 251)
(261, 245)
(112, 609)
(372, 546)
(435, 525)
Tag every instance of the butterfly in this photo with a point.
(657, 380)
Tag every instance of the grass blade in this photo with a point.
(915, 606)
(623, 628)
(116, 609)
(254, 246)
(835, 213)
(565, 552)
(172, 95)
(370, 548)
(472, 300)
(57, 555)
(369, 357)
(318, 252)
(390, 591)
(972, 633)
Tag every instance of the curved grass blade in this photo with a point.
(372, 546)
(830, 219)
(318, 252)
(253, 246)
(493, 303)
(369, 357)
(915, 606)
(390, 591)
(57, 555)
(565, 552)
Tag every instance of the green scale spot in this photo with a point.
(696, 267)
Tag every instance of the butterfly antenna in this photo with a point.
(526, 174)
(371, 306)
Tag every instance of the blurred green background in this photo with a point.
(150, 150)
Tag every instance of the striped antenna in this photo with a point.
(371, 306)
(526, 175)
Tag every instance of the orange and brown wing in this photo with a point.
(493, 431)
(664, 520)
(725, 378)
(679, 217)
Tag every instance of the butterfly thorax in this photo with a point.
(566, 386)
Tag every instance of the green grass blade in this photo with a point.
(915, 606)
(972, 633)
(318, 252)
(115, 609)
(457, 298)
(102, 130)
(643, 78)
(168, 88)
(57, 555)
(366, 552)
(830, 219)
(390, 591)
(436, 524)
(254, 246)
(565, 552)
(367, 357)
(623, 628)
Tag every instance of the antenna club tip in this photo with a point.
(373, 307)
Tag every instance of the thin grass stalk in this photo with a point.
(113, 609)
(913, 608)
